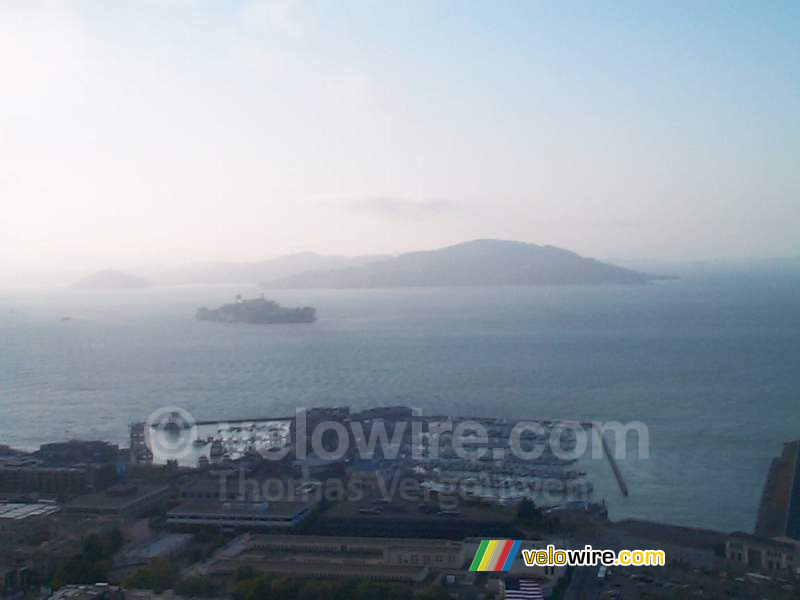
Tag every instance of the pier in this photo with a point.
(612, 460)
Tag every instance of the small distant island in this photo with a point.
(111, 280)
(257, 311)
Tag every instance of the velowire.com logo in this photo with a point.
(495, 555)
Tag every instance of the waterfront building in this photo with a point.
(55, 482)
(123, 501)
(78, 451)
(244, 515)
(755, 553)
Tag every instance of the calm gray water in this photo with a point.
(711, 365)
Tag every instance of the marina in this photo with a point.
(494, 459)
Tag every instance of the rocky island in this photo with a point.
(257, 311)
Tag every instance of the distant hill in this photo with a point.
(110, 280)
(253, 272)
(478, 262)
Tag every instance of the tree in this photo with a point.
(378, 591)
(284, 588)
(115, 540)
(158, 576)
(93, 548)
(79, 569)
(198, 586)
(313, 590)
(434, 592)
(94, 561)
(245, 572)
(527, 510)
(243, 589)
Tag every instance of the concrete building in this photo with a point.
(13, 579)
(124, 501)
(766, 555)
(234, 514)
(378, 559)
(98, 591)
(211, 488)
(139, 452)
(26, 521)
(78, 451)
(54, 482)
(681, 545)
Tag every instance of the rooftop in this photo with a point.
(329, 569)
(671, 534)
(117, 497)
(18, 511)
(377, 542)
(417, 510)
(783, 543)
(158, 546)
(85, 592)
(278, 508)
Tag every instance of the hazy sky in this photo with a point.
(160, 131)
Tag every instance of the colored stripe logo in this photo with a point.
(495, 555)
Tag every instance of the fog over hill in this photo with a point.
(111, 280)
(252, 272)
(477, 262)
